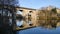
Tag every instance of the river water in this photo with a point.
(40, 30)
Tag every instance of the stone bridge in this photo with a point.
(31, 17)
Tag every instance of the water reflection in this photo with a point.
(19, 23)
(46, 24)
(46, 29)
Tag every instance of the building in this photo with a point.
(29, 16)
(38, 17)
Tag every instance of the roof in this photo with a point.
(26, 8)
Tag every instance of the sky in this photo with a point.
(36, 4)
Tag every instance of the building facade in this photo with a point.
(37, 17)
(29, 16)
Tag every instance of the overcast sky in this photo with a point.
(39, 3)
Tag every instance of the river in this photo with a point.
(40, 30)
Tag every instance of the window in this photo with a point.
(21, 10)
(30, 23)
(30, 11)
(29, 14)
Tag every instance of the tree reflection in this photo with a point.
(51, 19)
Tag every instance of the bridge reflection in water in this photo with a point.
(50, 20)
(22, 23)
(19, 23)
